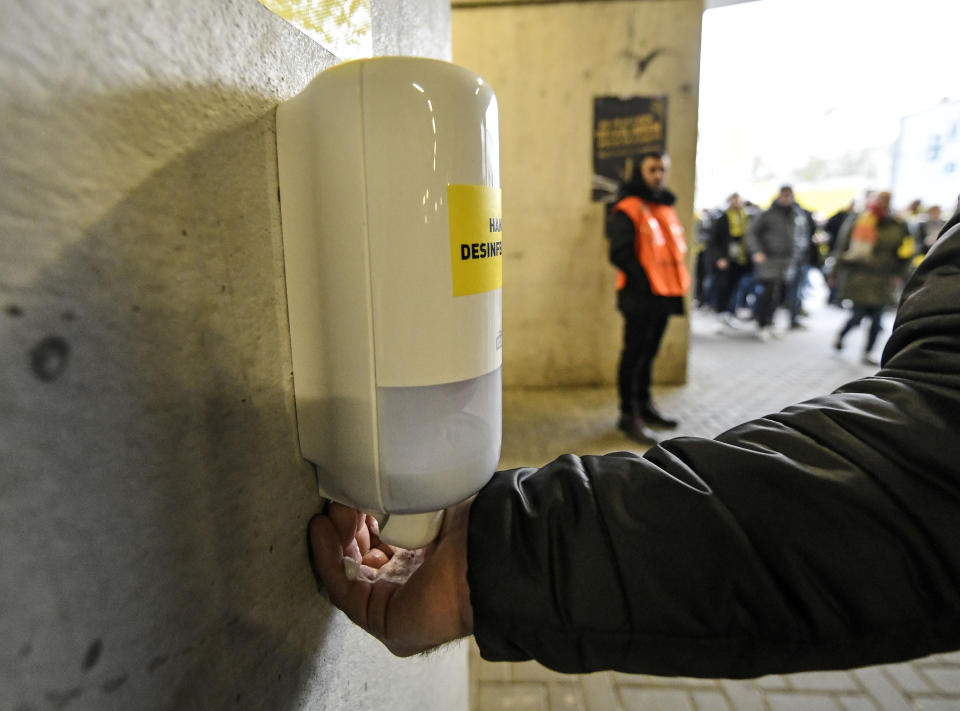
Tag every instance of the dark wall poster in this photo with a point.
(623, 129)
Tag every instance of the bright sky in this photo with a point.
(786, 80)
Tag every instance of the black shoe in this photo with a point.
(838, 344)
(636, 429)
(652, 416)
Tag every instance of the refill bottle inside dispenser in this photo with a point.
(390, 206)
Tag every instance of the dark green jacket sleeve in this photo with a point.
(824, 536)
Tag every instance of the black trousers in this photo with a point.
(768, 301)
(861, 311)
(642, 333)
(725, 289)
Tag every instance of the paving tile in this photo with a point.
(823, 681)
(694, 683)
(949, 658)
(638, 698)
(670, 681)
(772, 682)
(704, 700)
(856, 703)
(934, 703)
(743, 695)
(533, 671)
(801, 701)
(882, 690)
(600, 692)
(906, 678)
(565, 696)
(495, 696)
(944, 678)
(493, 671)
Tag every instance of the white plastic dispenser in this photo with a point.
(390, 207)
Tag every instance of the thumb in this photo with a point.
(354, 597)
(326, 558)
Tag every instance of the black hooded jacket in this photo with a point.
(823, 536)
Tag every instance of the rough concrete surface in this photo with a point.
(153, 501)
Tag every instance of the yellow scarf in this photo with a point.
(737, 220)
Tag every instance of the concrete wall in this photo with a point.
(547, 63)
(152, 499)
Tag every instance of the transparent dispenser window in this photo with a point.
(439, 444)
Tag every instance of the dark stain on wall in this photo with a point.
(157, 662)
(13, 310)
(112, 685)
(644, 61)
(48, 359)
(92, 656)
(59, 699)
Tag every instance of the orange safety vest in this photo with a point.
(660, 246)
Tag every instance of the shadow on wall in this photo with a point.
(157, 502)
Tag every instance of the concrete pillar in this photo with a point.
(547, 63)
(153, 502)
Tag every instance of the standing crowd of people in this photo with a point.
(752, 262)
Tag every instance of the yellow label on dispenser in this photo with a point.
(476, 248)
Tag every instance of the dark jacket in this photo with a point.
(834, 224)
(636, 296)
(873, 279)
(824, 536)
(724, 245)
(779, 232)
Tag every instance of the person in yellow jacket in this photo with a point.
(648, 247)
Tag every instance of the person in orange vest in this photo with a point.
(648, 247)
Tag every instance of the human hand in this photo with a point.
(411, 601)
(722, 263)
(759, 257)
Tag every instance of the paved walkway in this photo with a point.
(732, 377)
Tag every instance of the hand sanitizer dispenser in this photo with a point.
(390, 207)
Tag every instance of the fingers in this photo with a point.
(379, 552)
(365, 599)
(327, 556)
(346, 523)
(375, 558)
(416, 602)
(359, 536)
(362, 534)
(373, 525)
